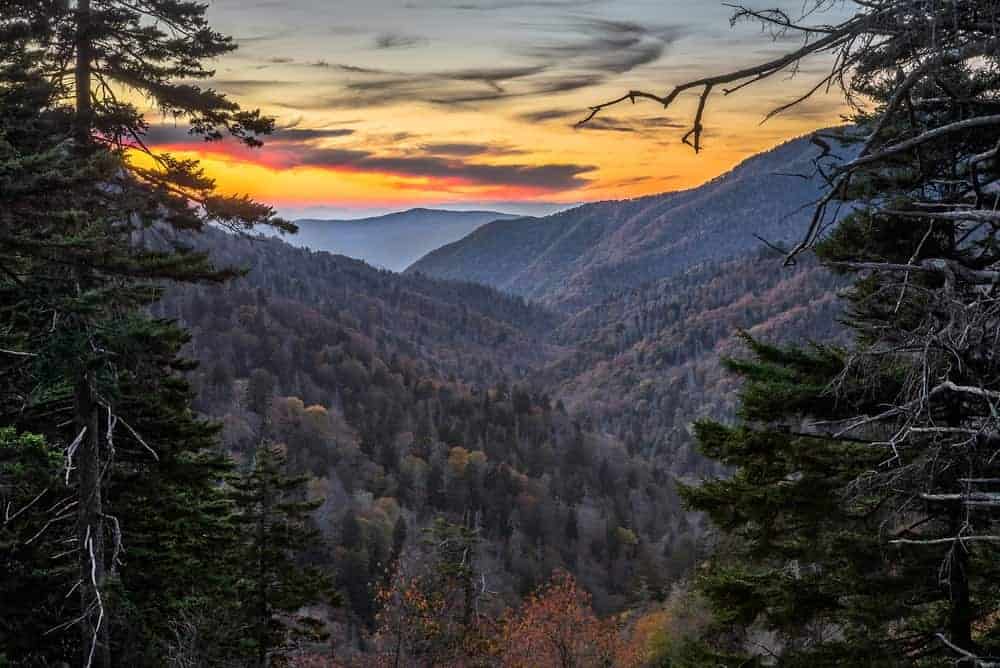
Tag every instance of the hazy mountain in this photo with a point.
(577, 258)
(392, 241)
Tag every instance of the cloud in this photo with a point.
(469, 149)
(249, 86)
(451, 163)
(542, 177)
(543, 115)
(589, 53)
(606, 123)
(644, 126)
(310, 134)
(607, 46)
(369, 87)
(390, 40)
(164, 134)
(497, 5)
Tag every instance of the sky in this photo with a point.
(389, 104)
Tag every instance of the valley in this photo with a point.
(554, 418)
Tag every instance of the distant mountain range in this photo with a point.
(575, 259)
(393, 241)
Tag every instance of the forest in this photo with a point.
(218, 449)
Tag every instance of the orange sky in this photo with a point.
(421, 106)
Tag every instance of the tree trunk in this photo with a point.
(961, 615)
(84, 105)
(90, 528)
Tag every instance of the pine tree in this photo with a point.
(30, 491)
(799, 555)
(274, 584)
(88, 216)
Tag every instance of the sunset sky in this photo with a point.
(388, 104)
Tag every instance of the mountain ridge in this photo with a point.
(576, 258)
(391, 241)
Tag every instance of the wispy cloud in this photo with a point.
(602, 45)
(394, 40)
(587, 54)
(605, 123)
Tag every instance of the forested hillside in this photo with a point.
(577, 258)
(406, 398)
(649, 361)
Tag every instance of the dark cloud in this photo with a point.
(606, 123)
(297, 147)
(380, 87)
(496, 5)
(459, 87)
(351, 69)
(291, 134)
(310, 134)
(543, 115)
(392, 40)
(468, 149)
(646, 125)
(249, 86)
(167, 134)
(257, 40)
(592, 51)
(547, 177)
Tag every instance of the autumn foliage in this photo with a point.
(557, 627)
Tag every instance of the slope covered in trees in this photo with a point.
(577, 258)
(648, 362)
(405, 399)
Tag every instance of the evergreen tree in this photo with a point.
(30, 492)
(274, 584)
(87, 221)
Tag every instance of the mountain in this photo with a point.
(577, 258)
(560, 423)
(647, 362)
(393, 241)
(407, 397)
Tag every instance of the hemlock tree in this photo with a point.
(274, 584)
(29, 490)
(902, 436)
(75, 203)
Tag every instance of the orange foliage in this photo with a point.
(557, 627)
(421, 625)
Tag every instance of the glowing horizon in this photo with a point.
(382, 106)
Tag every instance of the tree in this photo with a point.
(432, 614)
(274, 584)
(29, 490)
(802, 557)
(557, 627)
(86, 229)
(903, 434)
